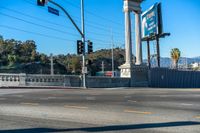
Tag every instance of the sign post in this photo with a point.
(152, 29)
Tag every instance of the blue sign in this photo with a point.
(53, 11)
(152, 21)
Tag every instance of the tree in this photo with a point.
(1, 39)
(12, 59)
(44, 59)
(27, 51)
(175, 55)
(76, 65)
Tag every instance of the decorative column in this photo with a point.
(138, 38)
(126, 68)
(128, 40)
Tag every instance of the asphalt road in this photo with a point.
(100, 110)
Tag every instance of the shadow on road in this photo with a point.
(104, 128)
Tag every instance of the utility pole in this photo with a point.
(113, 67)
(52, 68)
(102, 66)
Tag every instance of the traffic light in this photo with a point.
(41, 2)
(80, 47)
(90, 47)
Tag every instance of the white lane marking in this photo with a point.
(2, 98)
(18, 95)
(90, 98)
(186, 104)
(47, 98)
(132, 101)
(127, 96)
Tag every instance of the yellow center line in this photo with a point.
(137, 112)
(198, 117)
(77, 107)
(31, 104)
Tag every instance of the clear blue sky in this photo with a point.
(23, 19)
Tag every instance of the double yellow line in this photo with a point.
(137, 112)
(76, 107)
(31, 104)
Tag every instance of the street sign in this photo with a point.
(53, 10)
(84, 70)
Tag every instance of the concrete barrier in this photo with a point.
(34, 80)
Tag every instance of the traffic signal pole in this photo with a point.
(83, 40)
(82, 33)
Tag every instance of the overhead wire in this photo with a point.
(101, 42)
(90, 24)
(47, 21)
(39, 25)
(35, 33)
(94, 14)
(44, 35)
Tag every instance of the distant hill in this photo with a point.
(166, 62)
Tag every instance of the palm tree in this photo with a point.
(175, 55)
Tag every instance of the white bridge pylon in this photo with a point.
(132, 6)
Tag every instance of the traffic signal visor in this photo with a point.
(41, 2)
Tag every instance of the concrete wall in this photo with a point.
(10, 79)
(107, 82)
(169, 78)
(22, 80)
(139, 76)
(139, 79)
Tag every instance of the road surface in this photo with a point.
(100, 110)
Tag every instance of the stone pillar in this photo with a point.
(128, 40)
(127, 68)
(138, 38)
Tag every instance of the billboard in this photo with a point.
(152, 21)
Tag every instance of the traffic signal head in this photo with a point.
(41, 2)
(90, 47)
(80, 47)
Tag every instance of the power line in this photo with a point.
(35, 33)
(49, 36)
(89, 24)
(39, 25)
(46, 21)
(36, 18)
(94, 14)
(43, 26)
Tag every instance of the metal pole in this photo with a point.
(82, 33)
(83, 40)
(148, 52)
(70, 18)
(52, 69)
(113, 67)
(158, 50)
